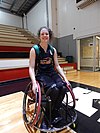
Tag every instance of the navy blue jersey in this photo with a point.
(44, 60)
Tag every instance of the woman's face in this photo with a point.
(44, 35)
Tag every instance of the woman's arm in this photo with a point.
(32, 68)
(58, 68)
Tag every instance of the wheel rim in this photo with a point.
(31, 106)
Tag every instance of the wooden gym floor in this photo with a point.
(11, 105)
(84, 77)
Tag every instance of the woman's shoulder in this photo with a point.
(35, 46)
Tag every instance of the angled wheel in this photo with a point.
(68, 107)
(31, 105)
(70, 97)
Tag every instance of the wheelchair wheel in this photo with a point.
(71, 97)
(67, 113)
(68, 107)
(31, 105)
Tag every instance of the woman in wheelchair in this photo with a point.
(44, 68)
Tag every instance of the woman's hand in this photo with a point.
(68, 83)
(34, 87)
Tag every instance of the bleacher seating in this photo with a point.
(14, 36)
(18, 37)
(67, 67)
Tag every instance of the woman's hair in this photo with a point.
(49, 30)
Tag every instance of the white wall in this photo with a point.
(66, 9)
(37, 17)
(9, 19)
(86, 21)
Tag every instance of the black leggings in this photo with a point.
(57, 96)
(54, 87)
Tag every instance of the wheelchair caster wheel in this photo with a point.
(74, 125)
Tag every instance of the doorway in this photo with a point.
(97, 53)
(89, 53)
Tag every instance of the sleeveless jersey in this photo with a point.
(44, 60)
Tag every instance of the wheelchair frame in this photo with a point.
(33, 112)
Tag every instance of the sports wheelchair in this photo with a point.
(34, 110)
